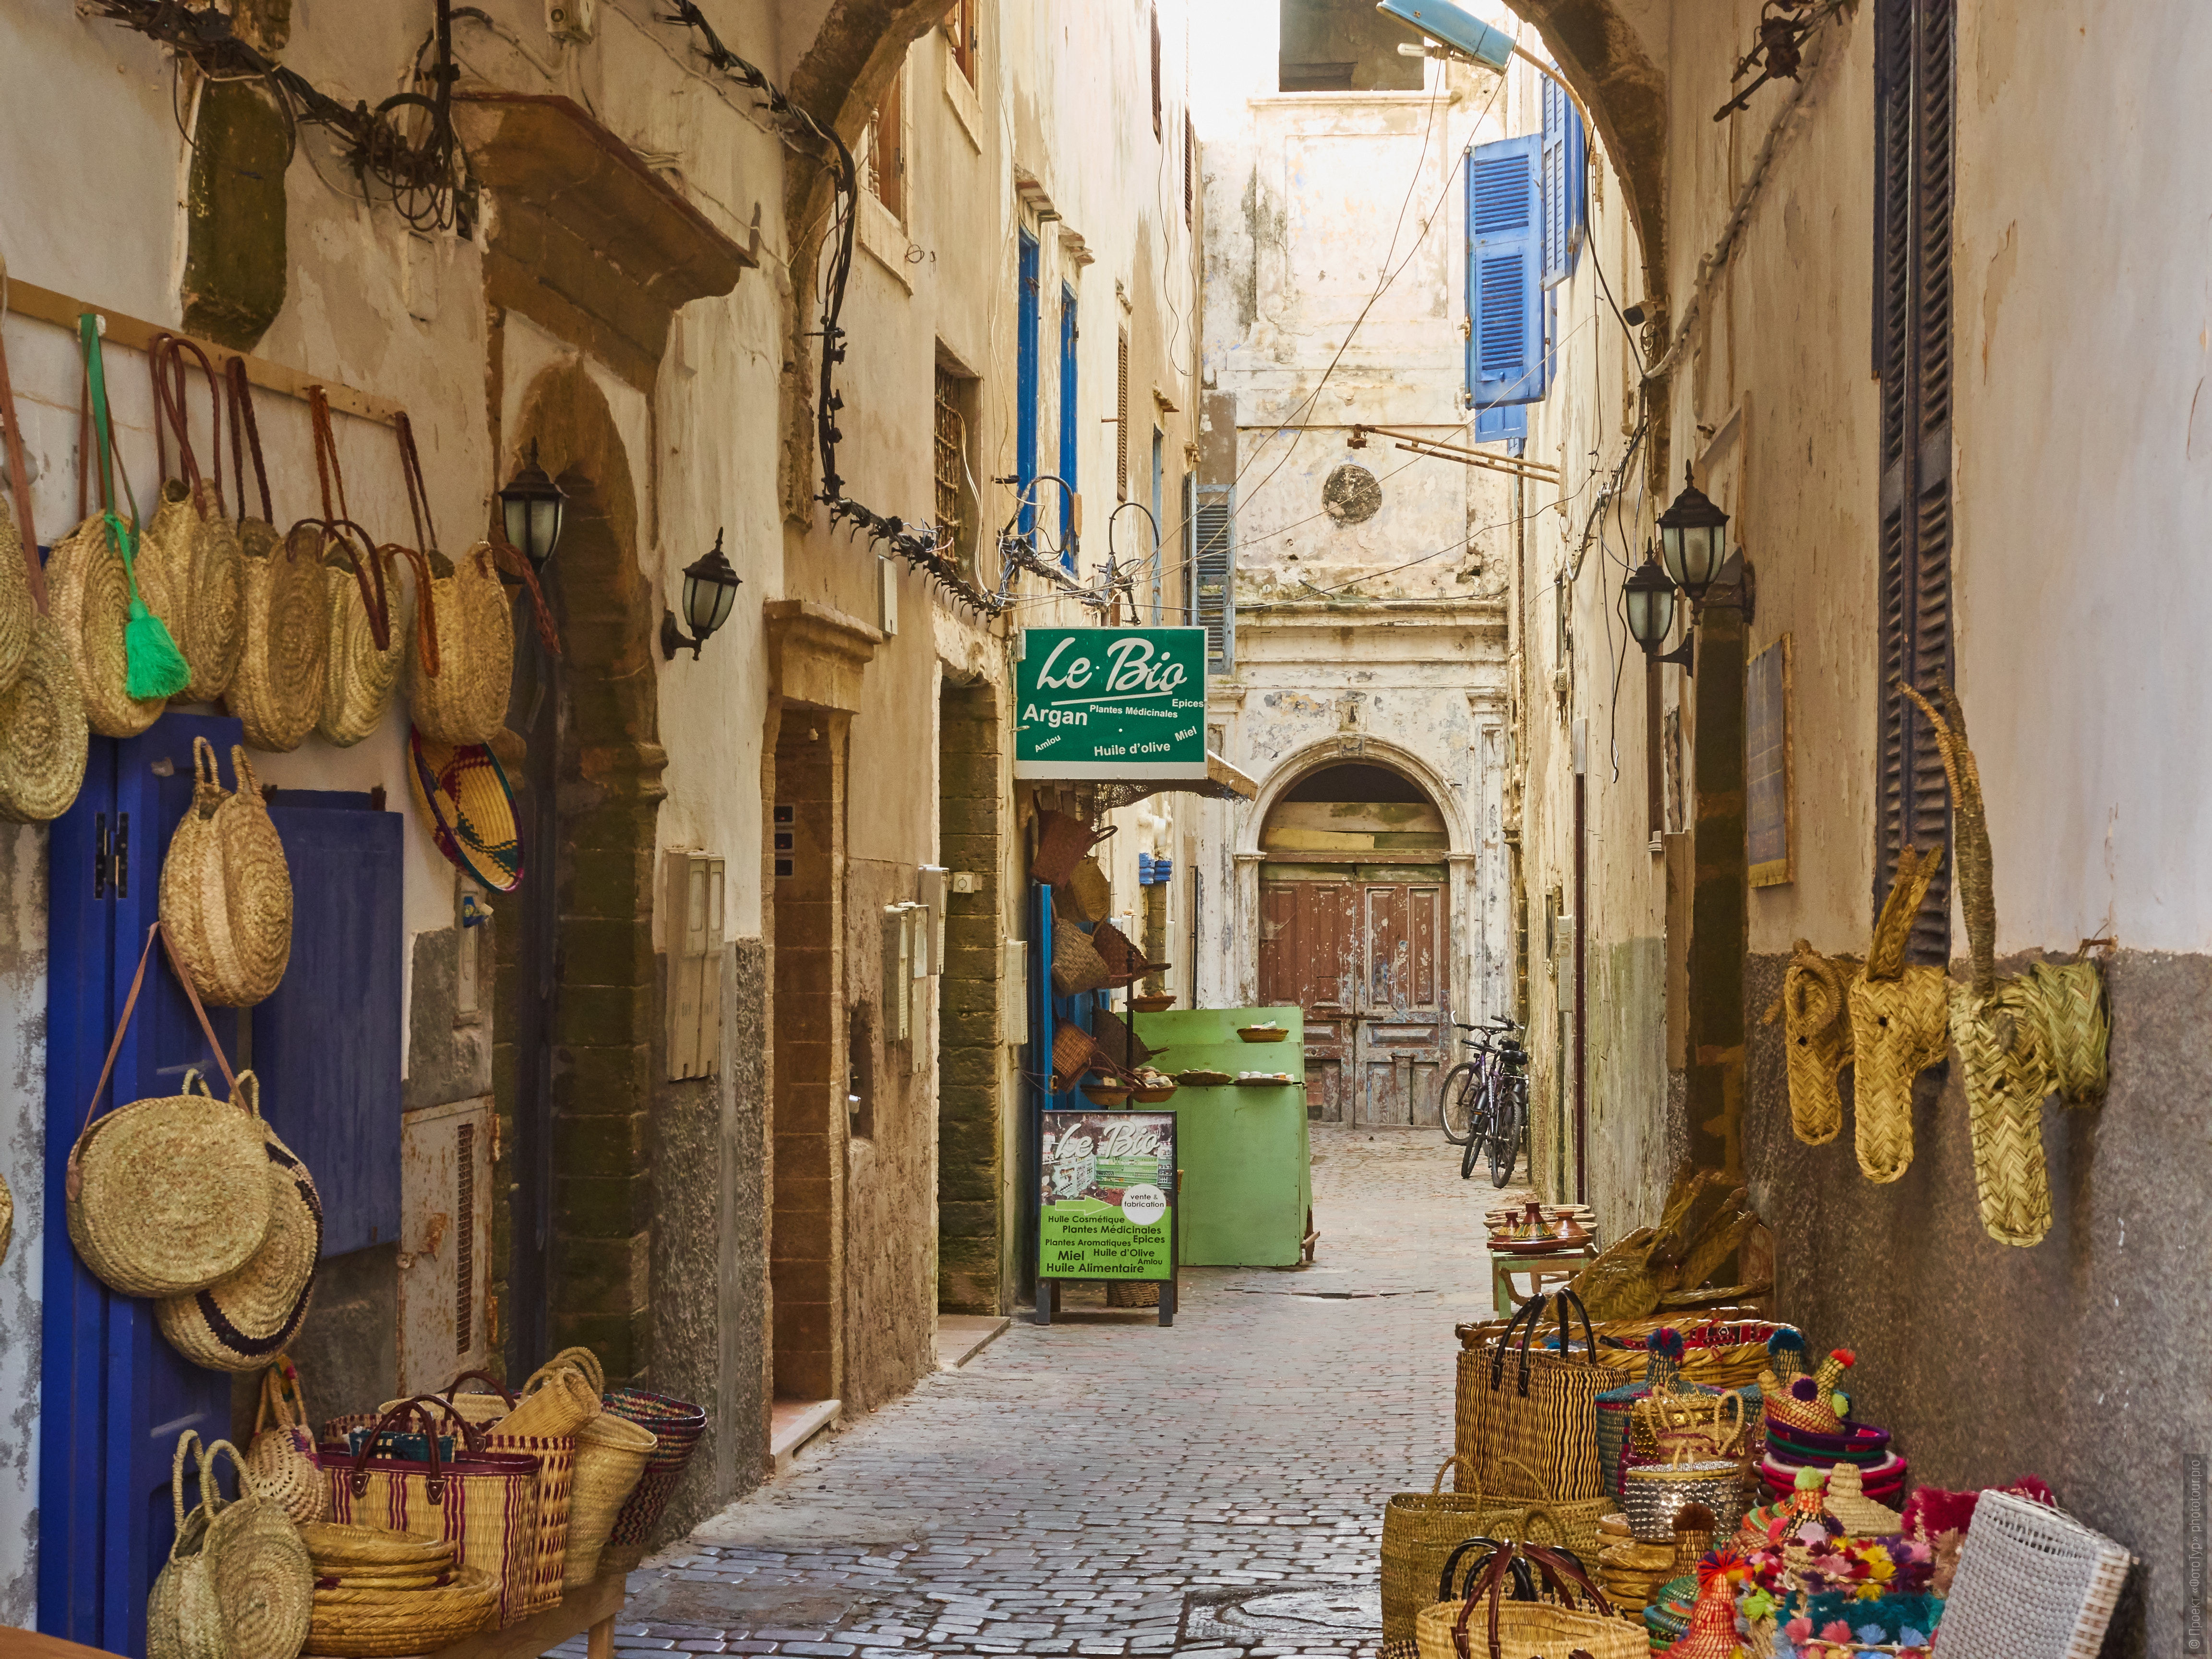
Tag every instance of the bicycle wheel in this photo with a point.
(1471, 1156)
(1510, 1125)
(1463, 1083)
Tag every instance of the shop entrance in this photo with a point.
(1354, 897)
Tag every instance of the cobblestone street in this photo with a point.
(1101, 1487)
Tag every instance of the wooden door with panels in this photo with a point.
(1310, 957)
(1405, 995)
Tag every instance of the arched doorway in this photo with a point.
(572, 1081)
(1355, 929)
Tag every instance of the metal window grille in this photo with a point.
(951, 444)
(1121, 417)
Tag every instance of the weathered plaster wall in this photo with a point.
(23, 1165)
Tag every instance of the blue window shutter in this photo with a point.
(1027, 305)
(1506, 335)
(1067, 429)
(1505, 422)
(1566, 183)
(1214, 532)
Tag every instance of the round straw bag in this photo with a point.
(611, 1453)
(242, 1563)
(1486, 1624)
(459, 683)
(184, 1620)
(89, 592)
(280, 1457)
(277, 693)
(226, 889)
(1419, 1529)
(557, 1400)
(191, 545)
(42, 733)
(169, 1194)
(361, 675)
(18, 613)
(238, 1323)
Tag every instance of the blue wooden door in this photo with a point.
(113, 1395)
(327, 1043)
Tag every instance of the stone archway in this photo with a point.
(572, 1068)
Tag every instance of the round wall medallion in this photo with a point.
(1352, 495)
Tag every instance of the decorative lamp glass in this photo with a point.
(1693, 540)
(531, 508)
(1649, 598)
(710, 590)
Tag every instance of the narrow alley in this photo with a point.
(1105, 1486)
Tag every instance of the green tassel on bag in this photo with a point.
(152, 664)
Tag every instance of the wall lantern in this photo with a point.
(532, 506)
(710, 588)
(1648, 596)
(1693, 540)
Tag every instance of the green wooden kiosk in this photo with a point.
(1247, 1171)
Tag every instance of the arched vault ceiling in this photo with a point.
(1610, 51)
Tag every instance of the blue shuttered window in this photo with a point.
(1505, 313)
(1213, 570)
(1027, 305)
(1566, 183)
(1068, 434)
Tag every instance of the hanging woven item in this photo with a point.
(167, 1196)
(192, 547)
(239, 1321)
(368, 608)
(280, 1457)
(1897, 1025)
(22, 583)
(1076, 964)
(465, 801)
(42, 733)
(1814, 1011)
(237, 1584)
(277, 692)
(226, 889)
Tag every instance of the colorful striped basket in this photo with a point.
(676, 1427)
(468, 807)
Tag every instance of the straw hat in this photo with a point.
(465, 802)
(43, 734)
(459, 683)
(237, 1324)
(277, 692)
(88, 599)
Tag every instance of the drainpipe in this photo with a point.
(1581, 961)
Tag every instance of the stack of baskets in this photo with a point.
(1630, 1571)
(676, 1426)
(380, 1592)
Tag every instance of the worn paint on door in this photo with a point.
(1310, 957)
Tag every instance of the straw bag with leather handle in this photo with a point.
(1124, 962)
(368, 605)
(96, 594)
(1481, 1622)
(1062, 841)
(1073, 1053)
(42, 733)
(485, 1505)
(1086, 895)
(278, 691)
(237, 1584)
(611, 1453)
(192, 547)
(237, 1324)
(226, 889)
(1520, 1413)
(1076, 967)
(1419, 1529)
(280, 1457)
(167, 1196)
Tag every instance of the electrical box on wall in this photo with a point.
(929, 891)
(445, 1242)
(1014, 991)
(693, 910)
(571, 19)
(887, 595)
(899, 938)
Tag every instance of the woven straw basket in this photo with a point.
(280, 1457)
(242, 1585)
(463, 798)
(333, 1545)
(191, 551)
(169, 1194)
(359, 679)
(611, 1454)
(1076, 966)
(237, 1324)
(2031, 1581)
(677, 1426)
(469, 620)
(7, 1218)
(370, 1624)
(555, 1490)
(43, 732)
(226, 890)
(89, 596)
(18, 612)
(1527, 1628)
(277, 692)
(1418, 1532)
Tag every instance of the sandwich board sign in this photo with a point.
(1106, 1203)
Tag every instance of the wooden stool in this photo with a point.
(1544, 1271)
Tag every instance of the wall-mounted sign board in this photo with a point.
(1113, 704)
(1770, 813)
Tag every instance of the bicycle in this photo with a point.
(1471, 1094)
(1509, 1133)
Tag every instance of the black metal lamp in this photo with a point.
(1648, 596)
(710, 589)
(1693, 540)
(532, 506)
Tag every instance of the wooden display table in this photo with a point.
(588, 1610)
(1552, 1268)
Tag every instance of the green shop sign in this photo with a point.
(1111, 703)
